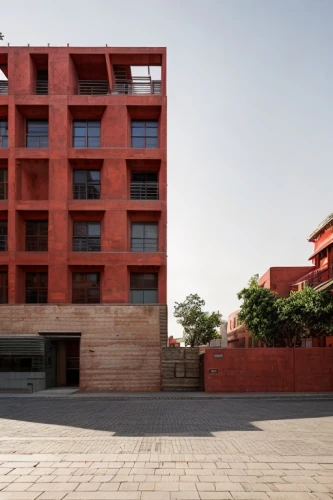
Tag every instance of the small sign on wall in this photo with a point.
(218, 355)
(213, 370)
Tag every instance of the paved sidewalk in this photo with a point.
(152, 449)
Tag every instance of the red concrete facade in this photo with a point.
(268, 370)
(40, 180)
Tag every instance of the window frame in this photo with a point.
(3, 235)
(39, 238)
(143, 288)
(86, 135)
(40, 136)
(40, 290)
(144, 189)
(86, 185)
(86, 238)
(4, 184)
(147, 244)
(142, 124)
(3, 136)
(3, 287)
(83, 291)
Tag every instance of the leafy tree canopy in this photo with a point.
(199, 327)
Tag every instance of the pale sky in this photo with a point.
(250, 125)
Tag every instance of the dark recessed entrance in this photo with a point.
(62, 359)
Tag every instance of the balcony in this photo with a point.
(144, 191)
(42, 87)
(3, 87)
(138, 85)
(93, 87)
(320, 276)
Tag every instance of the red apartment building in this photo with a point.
(83, 180)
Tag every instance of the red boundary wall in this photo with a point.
(268, 370)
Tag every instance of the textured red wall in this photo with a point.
(269, 370)
(51, 193)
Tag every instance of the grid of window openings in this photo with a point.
(87, 235)
(144, 134)
(86, 134)
(3, 134)
(37, 133)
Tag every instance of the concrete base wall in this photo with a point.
(120, 344)
(20, 381)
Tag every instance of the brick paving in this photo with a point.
(153, 449)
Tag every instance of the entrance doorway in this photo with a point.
(62, 360)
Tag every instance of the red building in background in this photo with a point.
(83, 210)
(283, 280)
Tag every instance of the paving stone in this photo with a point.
(167, 486)
(213, 495)
(128, 486)
(17, 487)
(156, 495)
(205, 486)
(16, 495)
(103, 495)
(89, 486)
(185, 495)
(107, 486)
(249, 495)
(52, 495)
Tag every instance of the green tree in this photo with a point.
(285, 320)
(258, 311)
(306, 313)
(199, 327)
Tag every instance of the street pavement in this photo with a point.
(159, 448)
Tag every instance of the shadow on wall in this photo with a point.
(135, 418)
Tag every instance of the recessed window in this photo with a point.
(3, 184)
(144, 186)
(144, 134)
(144, 237)
(3, 134)
(86, 184)
(86, 236)
(86, 134)
(3, 235)
(37, 134)
(86, 288)
(3, 287)
(36, 236)
(144, 288)
(36, 288)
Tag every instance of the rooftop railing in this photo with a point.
(137, 85)
(93, 87)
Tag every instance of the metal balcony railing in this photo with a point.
(42, 87)
(86, 192)
(319, 276)
(93, 87)
(144, 191)
(144, 245)
(3, 87)
(86, 244)
(137, 85)
(3, 243)
(3, 190)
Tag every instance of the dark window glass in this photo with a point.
(3, 235)
(3, 287)
(144, 288)
(42, 82)
(144, 134)
(86, 134)
(144, 237)
(86, 184)
(86, 288)
(3, 184)
(36, 288)
(37, 134)
(86, 236)
(144, 186)
(3, 134)
(36, 236)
